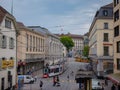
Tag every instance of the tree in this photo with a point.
(67, 42)
(86, 51)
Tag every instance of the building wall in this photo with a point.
(116, 39)
(8, 53)
(97, 35)
(78, 46)
(55, 50)
(30, 48)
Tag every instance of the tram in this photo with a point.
(53, 70)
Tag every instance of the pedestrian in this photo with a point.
(58, 83)
(113, 87)
(72, 73)
(41, 84)
(68, 77)
(106, 82)
(54, 81)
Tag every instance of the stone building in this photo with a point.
(8, 33)
(101, 39)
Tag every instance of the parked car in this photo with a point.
(26, 78)
(96, 85)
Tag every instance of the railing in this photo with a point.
(34, 60)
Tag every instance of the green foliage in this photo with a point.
(86, 51)
(67, 42)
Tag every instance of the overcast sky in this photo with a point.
(58, 16)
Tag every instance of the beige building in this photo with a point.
(30, 50)
(78, 40)
(115, 78)
(53, 46)
(101, 39)
(7, 50)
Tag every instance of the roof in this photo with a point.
(108, 5)
(3, 12)
(20, 25)
(98, 14)
(42, 30)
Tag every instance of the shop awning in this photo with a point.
(115, 78)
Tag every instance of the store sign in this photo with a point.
(9, 63)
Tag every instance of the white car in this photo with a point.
(96, 85)
(26, 78)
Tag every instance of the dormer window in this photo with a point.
(105, 12)
(7, 23)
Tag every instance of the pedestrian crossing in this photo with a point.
(62, 81)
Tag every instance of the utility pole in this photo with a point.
(12, 8)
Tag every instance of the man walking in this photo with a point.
(41, 84)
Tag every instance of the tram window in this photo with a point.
(56, 70)
(60, 68)
(52, 70)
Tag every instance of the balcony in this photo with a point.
(34, 60)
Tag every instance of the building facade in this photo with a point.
(115, 78)
(78, 40)
(101, 39)
(53, 46)
(7, 50)
(30, 50)
(117, 36)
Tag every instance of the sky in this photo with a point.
(58, 16)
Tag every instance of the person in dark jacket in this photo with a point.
(41, 84)
(54, 81)
(113, 87)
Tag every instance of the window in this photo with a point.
(106, 50)
(105, 25)
(30, 43)
(7, 23)
(105, 12)
(4, 41)
(11, 43)
(116, 15)
(116, 2)
(118, 47)
(116, 31)
(33, 43)
(118, 64)
(106, 37)
(27, 39)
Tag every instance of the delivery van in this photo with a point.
(26, 78)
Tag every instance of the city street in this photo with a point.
(65, 84)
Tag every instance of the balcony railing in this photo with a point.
(34, 60)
